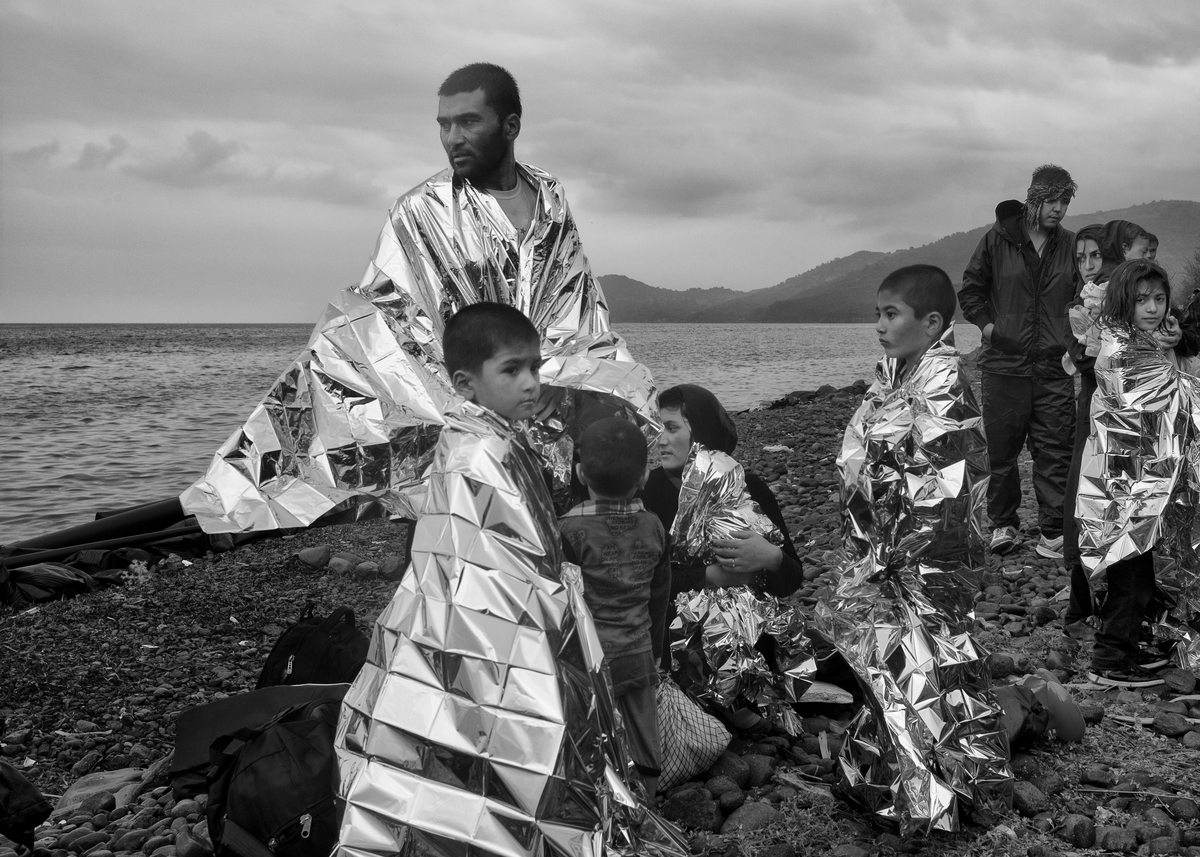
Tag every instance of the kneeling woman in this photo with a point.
(693, 414)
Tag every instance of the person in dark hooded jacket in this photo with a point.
(1016, 289)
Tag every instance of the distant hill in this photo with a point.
(843, 290)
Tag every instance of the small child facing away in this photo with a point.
(481, 715)
(929, 745)
(1135, 496)
(622, 551)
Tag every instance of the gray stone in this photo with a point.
(83, 843)
(1144, 831)
(1098, 775)
(98, 802)
(1116, 839)
(185, 808)
(339, 565)
(732, 766)
(694, 811)
(1049, 782)
(1162, 819)
(186, 846)
(1028, 799)
(315, 557)
(729, 801)
(1191, 740)
(751, 816)
(761, 769)
(366, 570)
(155, 842)
(1171, 724)
(1162, 845)
(102, 781)
(393, 567)
(1092, 711)
(1179, 681)
(1185, 809)
(1079, 830)
(132, 840)
(718, 786)
(85, 765)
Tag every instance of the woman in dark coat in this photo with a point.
(690, 413)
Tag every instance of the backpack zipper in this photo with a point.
(291, 661)
(305, 830)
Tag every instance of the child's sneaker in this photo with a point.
(1151, 658)
(1131, 676)
(1049, 548)
(1004, 539)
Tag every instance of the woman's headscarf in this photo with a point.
(710, 422)
(1095, 232)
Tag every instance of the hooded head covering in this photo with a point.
(1049, 181)
(1095, 232)
(710, 422)
(1119, 234)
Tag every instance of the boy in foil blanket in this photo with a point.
(483, 720)
(915, 469)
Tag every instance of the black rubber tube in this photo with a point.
(148, 518)
(22, 560)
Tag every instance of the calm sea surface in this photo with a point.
(99, 417)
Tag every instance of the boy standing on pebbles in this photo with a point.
(914, 469)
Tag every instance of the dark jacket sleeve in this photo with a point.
(790, 575)
(1189, 326)
(976, 287)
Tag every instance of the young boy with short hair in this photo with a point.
(466, 701)
(914, 469)
(621, 549)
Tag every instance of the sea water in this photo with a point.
(101, 417)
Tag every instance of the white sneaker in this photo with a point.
(1049, 548)
(1004, 539)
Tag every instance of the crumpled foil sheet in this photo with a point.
(355, 418)
(714, 504)
(483, 720)
(914, 470)
(716, 636)
(1140, 477)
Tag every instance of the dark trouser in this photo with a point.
(1130, 591)
(1038, 411)
(1080, 605)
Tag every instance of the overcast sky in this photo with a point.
(234, 161)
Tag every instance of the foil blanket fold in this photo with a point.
(1139, 479)
(914, 471)
(354, 420)
(717, 639)
(483, 721)
(714, 504)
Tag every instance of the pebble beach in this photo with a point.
(91, 689)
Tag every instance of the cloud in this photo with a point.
(36, 154)
(97, 157)
(200, 163)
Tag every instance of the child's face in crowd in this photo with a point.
(902, 335)
(675, 442)
(1088, 258)
(1151, 307)
(1137, 250)
(507, 382)
(1151, 251)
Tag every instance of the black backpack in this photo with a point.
(271, 789)
(316, 651)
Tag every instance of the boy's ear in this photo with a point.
(934, 323)
(645, 475)
(463, 383)
(580, 474)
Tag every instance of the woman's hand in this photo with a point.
(716, 577)
(1168, 333)
(747, 553)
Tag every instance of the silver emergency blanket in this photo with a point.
(914, 471)
(1140, 477)
(714, 504)
(716, 634)
(483, 721)
(355, 418)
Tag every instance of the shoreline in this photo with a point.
(96, 683)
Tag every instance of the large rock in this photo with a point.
(733, 766)
(694, 810)
(1079, 830)
(101, 782)
(761, 769)
(1028, 799)
(751, 816)
(1116, 839)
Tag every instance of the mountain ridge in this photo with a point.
(843, 289)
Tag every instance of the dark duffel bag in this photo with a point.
(316, 651)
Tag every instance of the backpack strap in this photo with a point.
(237, 838)
(307, 612)
(338, 616)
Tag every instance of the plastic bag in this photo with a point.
(692, 739)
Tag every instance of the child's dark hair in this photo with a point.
(925, 288)
(612, 453)
(1120, 298)
(477, 331)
